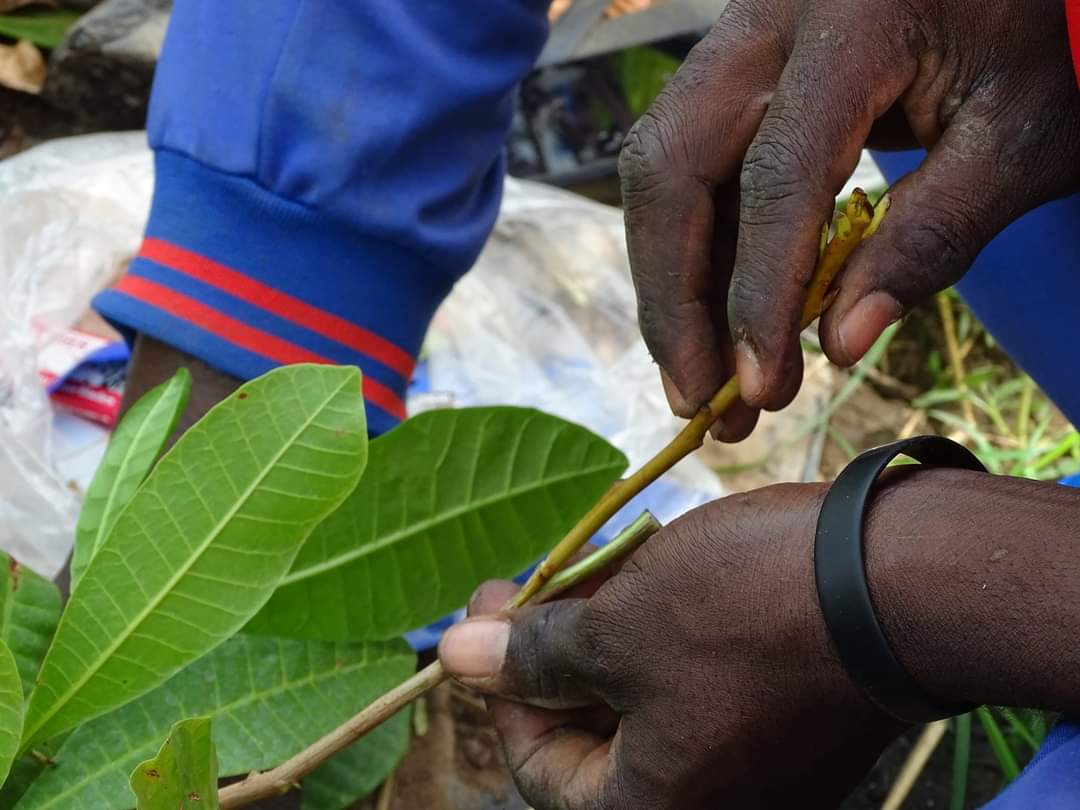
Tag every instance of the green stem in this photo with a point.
(961, 762)
(1004, 754)
(621, 546)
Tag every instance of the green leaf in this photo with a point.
(204, 541)
(11, 710)
(44, 28)
(183, 775)
(26, 769)
(268, 699)
(29, 611)
(134, 447)
(451, 498)
(359, 769)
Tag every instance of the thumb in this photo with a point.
(942, 216)
(534, 655)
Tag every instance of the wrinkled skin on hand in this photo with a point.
(698, 676)
(729, 176)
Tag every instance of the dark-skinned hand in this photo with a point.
(728, 178)
(700, 661)
(700, 675)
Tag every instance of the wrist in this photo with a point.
(976, 583)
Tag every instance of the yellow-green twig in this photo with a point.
(851, 226)
(858, 221)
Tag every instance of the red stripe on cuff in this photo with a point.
(279, 303)
(247, 337)
(1072, 13)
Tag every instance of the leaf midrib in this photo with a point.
(310, 679)
(123, 636)
(125, 463)
(415, 528)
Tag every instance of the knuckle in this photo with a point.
(644, 160)
(773, 173)
(666, 139)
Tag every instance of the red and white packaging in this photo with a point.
(84, 374)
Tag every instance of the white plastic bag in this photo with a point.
(73, 214)
(547, 318)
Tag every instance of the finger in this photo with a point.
(492, 596)
(543, 746)
(942, 215)
(556, 763)
(674, 166)
(738, 420)
(807, 146)
(534, 655)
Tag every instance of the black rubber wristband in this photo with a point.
(840, 570)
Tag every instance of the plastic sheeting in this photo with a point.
(545, 319)
(73, 214)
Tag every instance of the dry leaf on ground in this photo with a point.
(22, 67)
(616, 9)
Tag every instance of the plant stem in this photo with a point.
(1024, 414)
(622, 546)
(858, 221)
(961, 762)
(952, 347)
(689, 439)
(925, 746)
(286, 776)
(1010, 769)
(386, 793)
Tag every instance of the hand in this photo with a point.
(700, 673)
(730, 175)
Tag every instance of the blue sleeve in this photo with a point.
(1051, 781)
(1025, 287)
(325, 172)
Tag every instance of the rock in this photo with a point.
(101, 73)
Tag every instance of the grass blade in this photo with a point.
(1010, 769)
(961, 766)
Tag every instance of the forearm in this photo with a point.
(976, 579)
(153, 362)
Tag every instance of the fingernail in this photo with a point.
(475, 648)
(865, 322)
(751, 382)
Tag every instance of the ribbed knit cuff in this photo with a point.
(246, 280)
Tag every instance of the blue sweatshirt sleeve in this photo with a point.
(325, 172)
